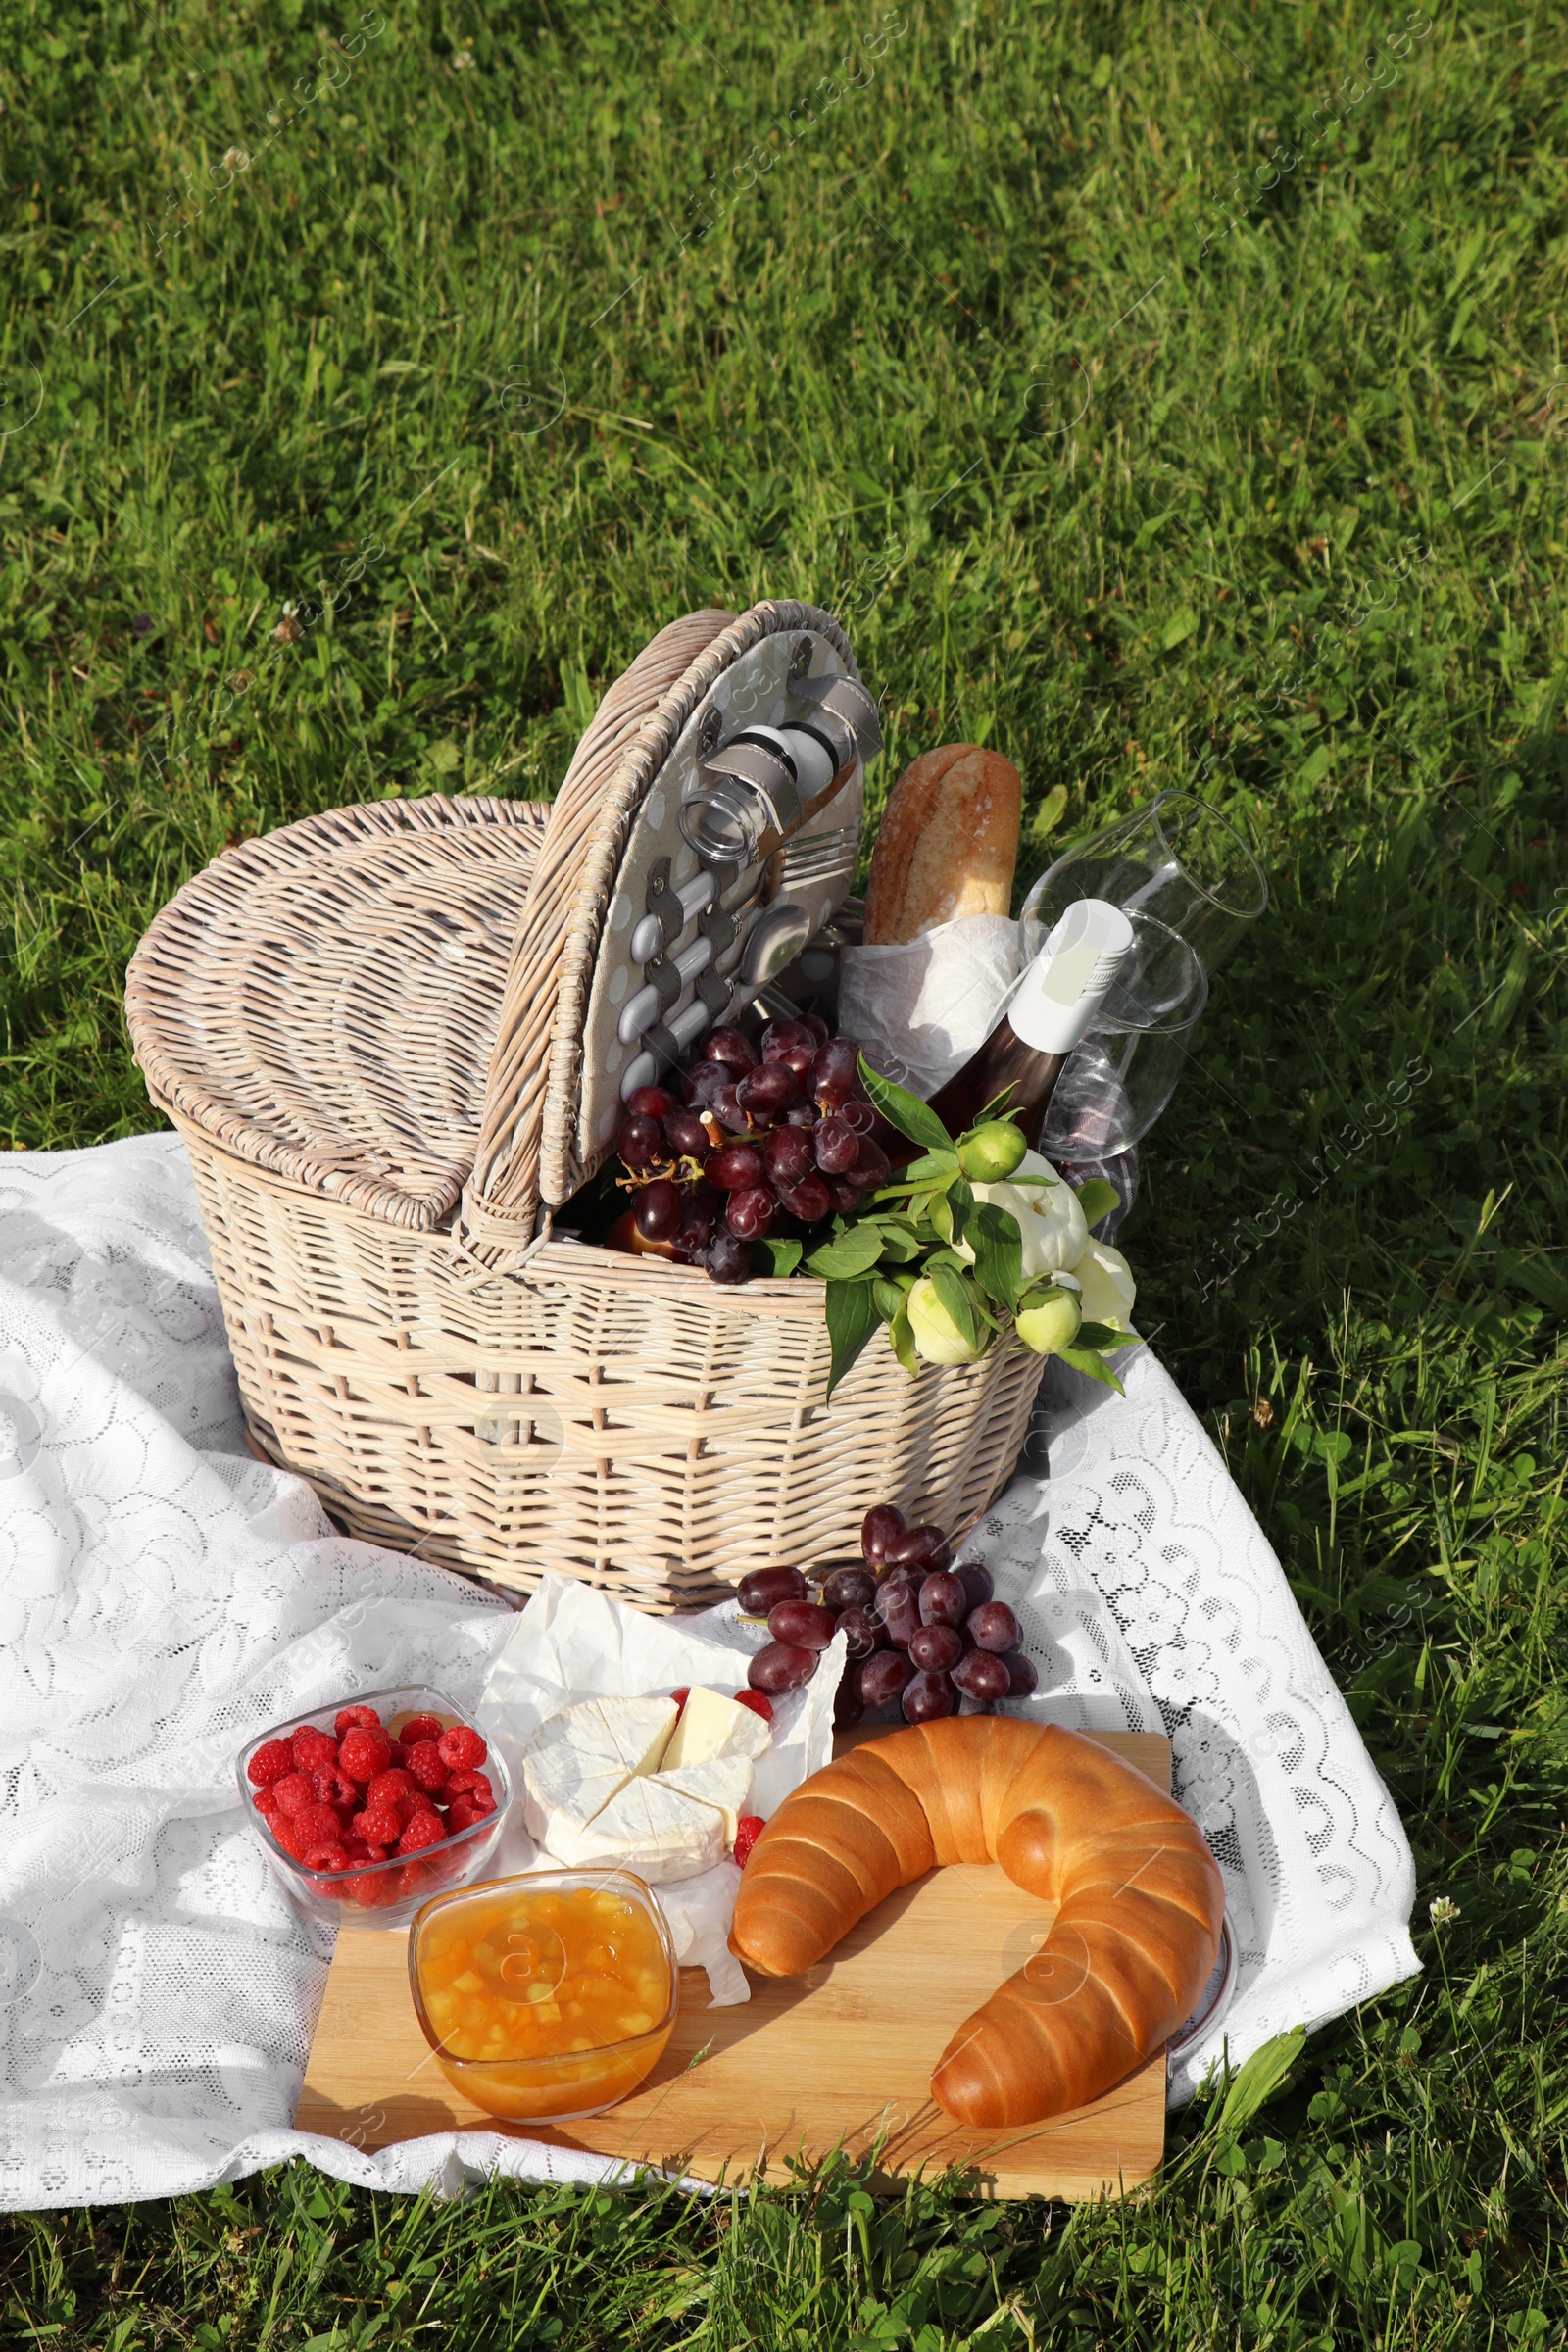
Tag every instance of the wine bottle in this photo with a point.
(1052, 1006)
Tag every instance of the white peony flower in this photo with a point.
(1049, 1219)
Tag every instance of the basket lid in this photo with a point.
(323, 1001)
(613, 852)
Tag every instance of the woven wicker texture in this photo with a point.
(660, 1437)
(323, 1001)
(343, 1021)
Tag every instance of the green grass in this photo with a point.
(443, 326)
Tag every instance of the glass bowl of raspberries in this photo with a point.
(366, 1809)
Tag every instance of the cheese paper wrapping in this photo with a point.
(572, 1643)
(920, 1010)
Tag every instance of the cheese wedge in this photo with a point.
(650, 1828)
(640, 1729)
(724, 1781)
(711, 1725)
(580, 1758)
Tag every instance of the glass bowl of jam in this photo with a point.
(547, 1997)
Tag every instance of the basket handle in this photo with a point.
(527, 1153)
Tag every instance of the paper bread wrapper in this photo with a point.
(920, 1010)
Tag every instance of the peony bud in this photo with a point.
(1052, 1325)
(936, 1334)
(992, 1152)
(1105, 1280)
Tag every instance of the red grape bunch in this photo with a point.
(754, 1144)
(920, 1633)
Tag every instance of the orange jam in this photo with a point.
(542, 1999)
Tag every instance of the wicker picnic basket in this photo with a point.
(370, 1029)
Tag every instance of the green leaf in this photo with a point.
(1098, 1198)
(939, 1213)
(1316, 769)
(853, 1252)
(954, 1293)
(889, 1297)
(1082, 1359)
(901, 1334)
(781, 1258)
(1468, 253)
(1180, 626)
(996, 1109)
(900, 1245)
(851, 1318)
(1097, 1336)
(998, 1244)
(904, 1111)
(1048, 816)
(1261, 2075)
(935, 1167)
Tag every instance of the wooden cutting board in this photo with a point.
(840, 2057)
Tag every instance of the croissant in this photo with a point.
(1140, 1897)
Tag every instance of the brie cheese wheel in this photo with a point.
(649, 1827)
(711, 1725)
(581, 1758)
(724, 1781)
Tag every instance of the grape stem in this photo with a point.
(670, 1171)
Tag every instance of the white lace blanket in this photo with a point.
(162, 1595)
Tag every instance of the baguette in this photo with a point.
(1140, 1897)
(948, 844)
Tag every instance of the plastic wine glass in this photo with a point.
(1178, 861)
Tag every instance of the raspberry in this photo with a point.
(337, 1789)
(287, 1833)
(399, 1752)
(294, 1792)
(425, 1766)
(267, 1804)
(325, 1855)
(319, 1823)
(369, 1888)
(756, 1701)
(394, 1785)
(680, 1698)
(464, 1815)
(348, 1717)
(747, 1833)
(423, 1830)
(419, 1727)
(475, 1786)
(365, 1752)
(271, 1760)
(310, 1750)
(461, 1748)
(378, 1825)
(358, 1850)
